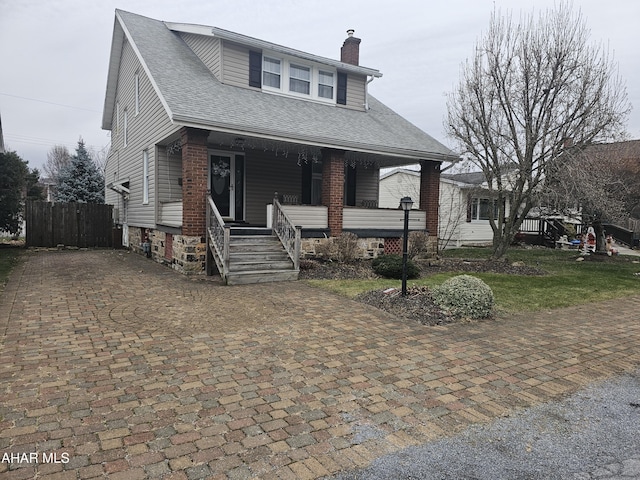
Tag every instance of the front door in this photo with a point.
(226, 173)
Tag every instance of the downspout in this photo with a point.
(366, 92)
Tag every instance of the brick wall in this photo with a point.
(350, 51)
(333, 188)
(430, 193)
(195, 171)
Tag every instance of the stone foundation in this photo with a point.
(184, 253)
(369, 247)
(187, 254)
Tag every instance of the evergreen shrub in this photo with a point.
(464, 296)
(390, 266)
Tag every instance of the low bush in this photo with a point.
(418, 244)
(390, 266)
(464, 296)
(342, 249)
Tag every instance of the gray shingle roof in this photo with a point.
(194, 96)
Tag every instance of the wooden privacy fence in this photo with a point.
(70, 224)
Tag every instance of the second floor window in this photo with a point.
(325, 84)
(271, 72)
(290, 76)
(299, 79)
(137, 92)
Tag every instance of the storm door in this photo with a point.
(226, 182)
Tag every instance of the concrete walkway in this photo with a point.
(113, 366)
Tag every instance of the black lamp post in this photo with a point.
(406, 203)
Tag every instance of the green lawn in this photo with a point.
(568, 282)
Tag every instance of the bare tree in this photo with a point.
(599, 183)
(530, 86)
(100, 157)
(57, 159)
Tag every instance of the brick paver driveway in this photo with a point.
(113, 366)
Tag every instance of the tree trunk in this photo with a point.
(501, 243)
(598, 229)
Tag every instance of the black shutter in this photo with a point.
(351, 186)
(307, 175)
(469, 203)
(255, 69)
(342, 88)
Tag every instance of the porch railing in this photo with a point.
(287, 232)
(218, 235)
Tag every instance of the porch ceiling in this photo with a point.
(305, 152)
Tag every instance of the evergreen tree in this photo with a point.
(80, 181)
(13, 172)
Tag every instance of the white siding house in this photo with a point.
(463, 208)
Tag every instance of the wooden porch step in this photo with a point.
(252, 256)
(261, 276)
(257, 256)
(269, 265)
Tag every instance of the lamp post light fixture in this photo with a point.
(406, 203)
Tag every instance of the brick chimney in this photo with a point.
(350, 51)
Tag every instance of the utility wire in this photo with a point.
(50, 103)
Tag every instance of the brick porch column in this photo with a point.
(333, 188)
(430, 193)
(195, 171)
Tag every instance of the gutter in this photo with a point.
(316, 142)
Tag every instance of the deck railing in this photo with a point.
(287, 232)
(218, 235)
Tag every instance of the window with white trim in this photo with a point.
(124, 127)
(137, 92)
(483, 209)
(290, 76)
(271, 72)
(325, 84)
(145, 177)
(299, 79)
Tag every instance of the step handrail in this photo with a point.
(218, 233)
(288, 233)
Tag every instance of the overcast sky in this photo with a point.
(55, 53)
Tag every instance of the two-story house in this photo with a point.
(219, 140)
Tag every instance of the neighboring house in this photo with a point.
(207, 125)
(464, 204)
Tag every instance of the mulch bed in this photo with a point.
(418, 304)
(321, 270)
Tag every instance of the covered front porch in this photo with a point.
(231, 181)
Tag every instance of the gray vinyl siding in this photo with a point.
(207, 49)
(356, 85)
(265, 175)
(169, 169)
(150, 126)
(366, 184)
(235, 69)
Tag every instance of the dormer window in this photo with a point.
(271, 72)
(299, 79)
(325, 84)
(287, 76)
